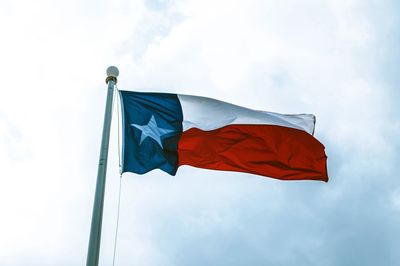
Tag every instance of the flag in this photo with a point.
(165, 131)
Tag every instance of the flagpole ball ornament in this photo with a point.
(112, 74)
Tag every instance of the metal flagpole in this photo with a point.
(97, 215)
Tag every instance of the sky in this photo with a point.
(335, 59)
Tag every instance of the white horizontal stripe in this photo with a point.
(208, 114)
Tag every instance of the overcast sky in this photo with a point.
(336, 59)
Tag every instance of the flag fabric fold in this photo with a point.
(165, 131)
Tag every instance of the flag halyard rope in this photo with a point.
(117, 224)
(120, 177)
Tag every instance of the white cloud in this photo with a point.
(286, 56)
(396, 199)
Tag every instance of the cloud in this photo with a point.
(334, 59)
(289, 57)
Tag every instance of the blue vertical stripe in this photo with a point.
(144, 116)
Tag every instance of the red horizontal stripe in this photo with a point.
(267, 150)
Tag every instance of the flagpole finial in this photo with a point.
(112, 74)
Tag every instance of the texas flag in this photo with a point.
(165, 131)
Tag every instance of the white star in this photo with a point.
(152, 130)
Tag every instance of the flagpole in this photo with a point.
(97, 215)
